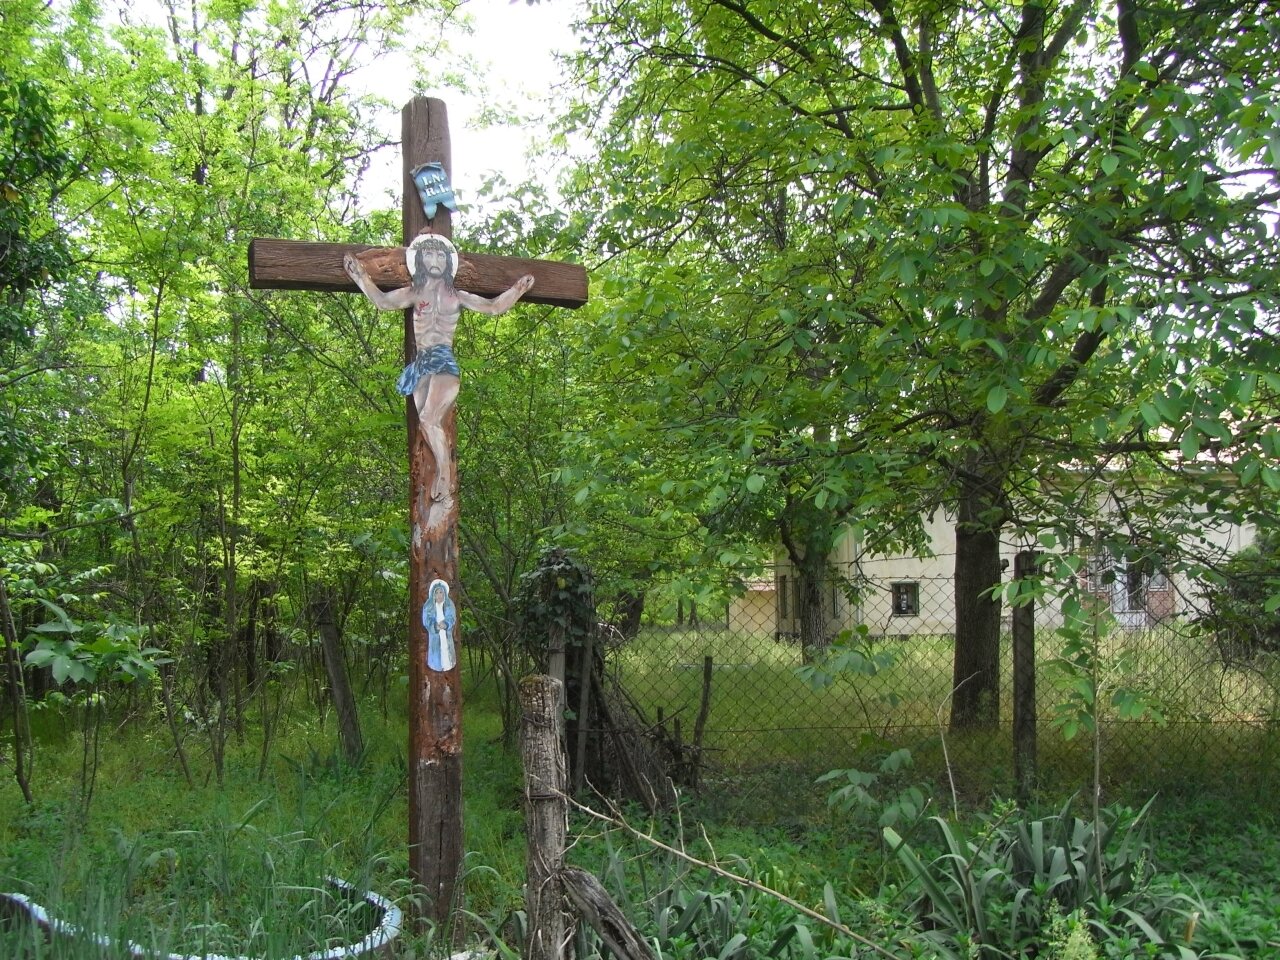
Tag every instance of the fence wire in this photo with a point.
(1175, 707)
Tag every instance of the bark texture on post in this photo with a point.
(1024, 683)
(546, 812)
(435, 697)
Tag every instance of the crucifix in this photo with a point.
(390, 276)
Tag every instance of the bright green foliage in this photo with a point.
(112, 651)
(880, 259)
(520, 394)
(32, 165)
(852, 789)
(35, 258)
(214, 463)
(1244, 603)
(557, 606)
(35, 167)
(1096, 682)
(996, 891)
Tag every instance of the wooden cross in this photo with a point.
(435, 704)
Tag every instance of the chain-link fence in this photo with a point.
(740, 684)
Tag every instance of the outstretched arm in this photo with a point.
(499, 304)
(397, 299)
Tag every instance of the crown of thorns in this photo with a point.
(439, 243)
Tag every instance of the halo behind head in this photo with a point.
(431, 240)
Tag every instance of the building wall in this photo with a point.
(880, 584)
(754, 611)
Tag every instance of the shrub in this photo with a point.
(1003, 889)
(1243, 620)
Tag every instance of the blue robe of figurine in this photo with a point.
(440, 618)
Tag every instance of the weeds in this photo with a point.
(1002, 888)
(239, 867)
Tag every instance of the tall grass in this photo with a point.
(1209, 715)
(239, 868)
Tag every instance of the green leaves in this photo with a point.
(997, 397)
(995, 888)
(114, 652)
(1015, 275)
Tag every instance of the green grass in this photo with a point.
(237, 866)
(763, 714)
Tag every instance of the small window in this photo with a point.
(1159, 581)
(1101, 573)
(906, 599)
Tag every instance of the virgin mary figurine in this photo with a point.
(440, 618)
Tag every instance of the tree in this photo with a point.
(1241, 613)
(36, 167)
(942, 255)
(224, 460)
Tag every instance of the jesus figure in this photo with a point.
(432, 378)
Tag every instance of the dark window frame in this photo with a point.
(905, 596)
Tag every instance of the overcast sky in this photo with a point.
(514, 47)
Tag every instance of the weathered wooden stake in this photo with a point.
(587, 666)
(546, 815)
(549, 884)
(1024, 683)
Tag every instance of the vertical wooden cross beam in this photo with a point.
(435, 701)
(435, 697)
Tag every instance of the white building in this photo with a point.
(914, 594)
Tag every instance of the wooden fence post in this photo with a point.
(546, 815)
(1024, 683)
(586, 675)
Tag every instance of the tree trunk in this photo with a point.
(248, 638)
(807, 535)
(1024, 684)
(335, 666)
(629, 610)
(22, 744)
(975, 699)
(811, 580)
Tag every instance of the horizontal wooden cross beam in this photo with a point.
(304, 265)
